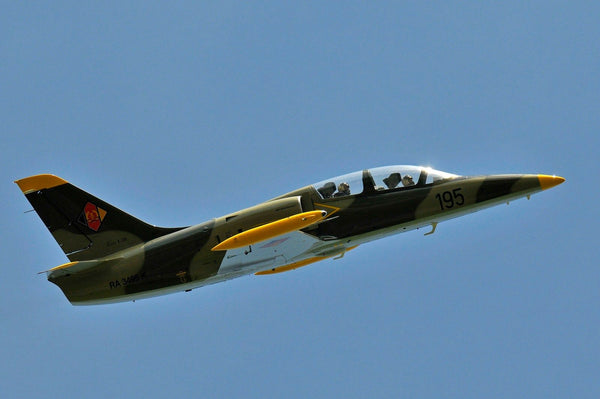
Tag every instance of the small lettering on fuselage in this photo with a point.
(118, 241)
(125, 281)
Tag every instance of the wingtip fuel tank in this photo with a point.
(270, 230)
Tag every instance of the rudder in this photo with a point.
(83, 225)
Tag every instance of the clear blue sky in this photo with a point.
(181, 112)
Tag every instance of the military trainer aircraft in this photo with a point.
(115, 257)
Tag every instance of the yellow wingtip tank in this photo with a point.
(299, 264)
(291, 266)
(39, 182)
(269, 230)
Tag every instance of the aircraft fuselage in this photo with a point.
(373, 206)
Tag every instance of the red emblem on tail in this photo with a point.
(93, 216)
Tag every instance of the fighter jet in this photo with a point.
(116, 257)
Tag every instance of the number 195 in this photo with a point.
(449, 199)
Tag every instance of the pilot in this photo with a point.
(407, 180)
(343, 189)
(327, 190)
(392, 180)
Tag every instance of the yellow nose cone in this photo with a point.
(547, 181)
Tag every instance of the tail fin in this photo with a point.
(84, 226)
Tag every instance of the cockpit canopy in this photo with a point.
(380, 179)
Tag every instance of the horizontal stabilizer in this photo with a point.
(76, 267)
(270, 230)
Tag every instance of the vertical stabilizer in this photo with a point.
(84, 226)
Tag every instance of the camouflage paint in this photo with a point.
(118, 257)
